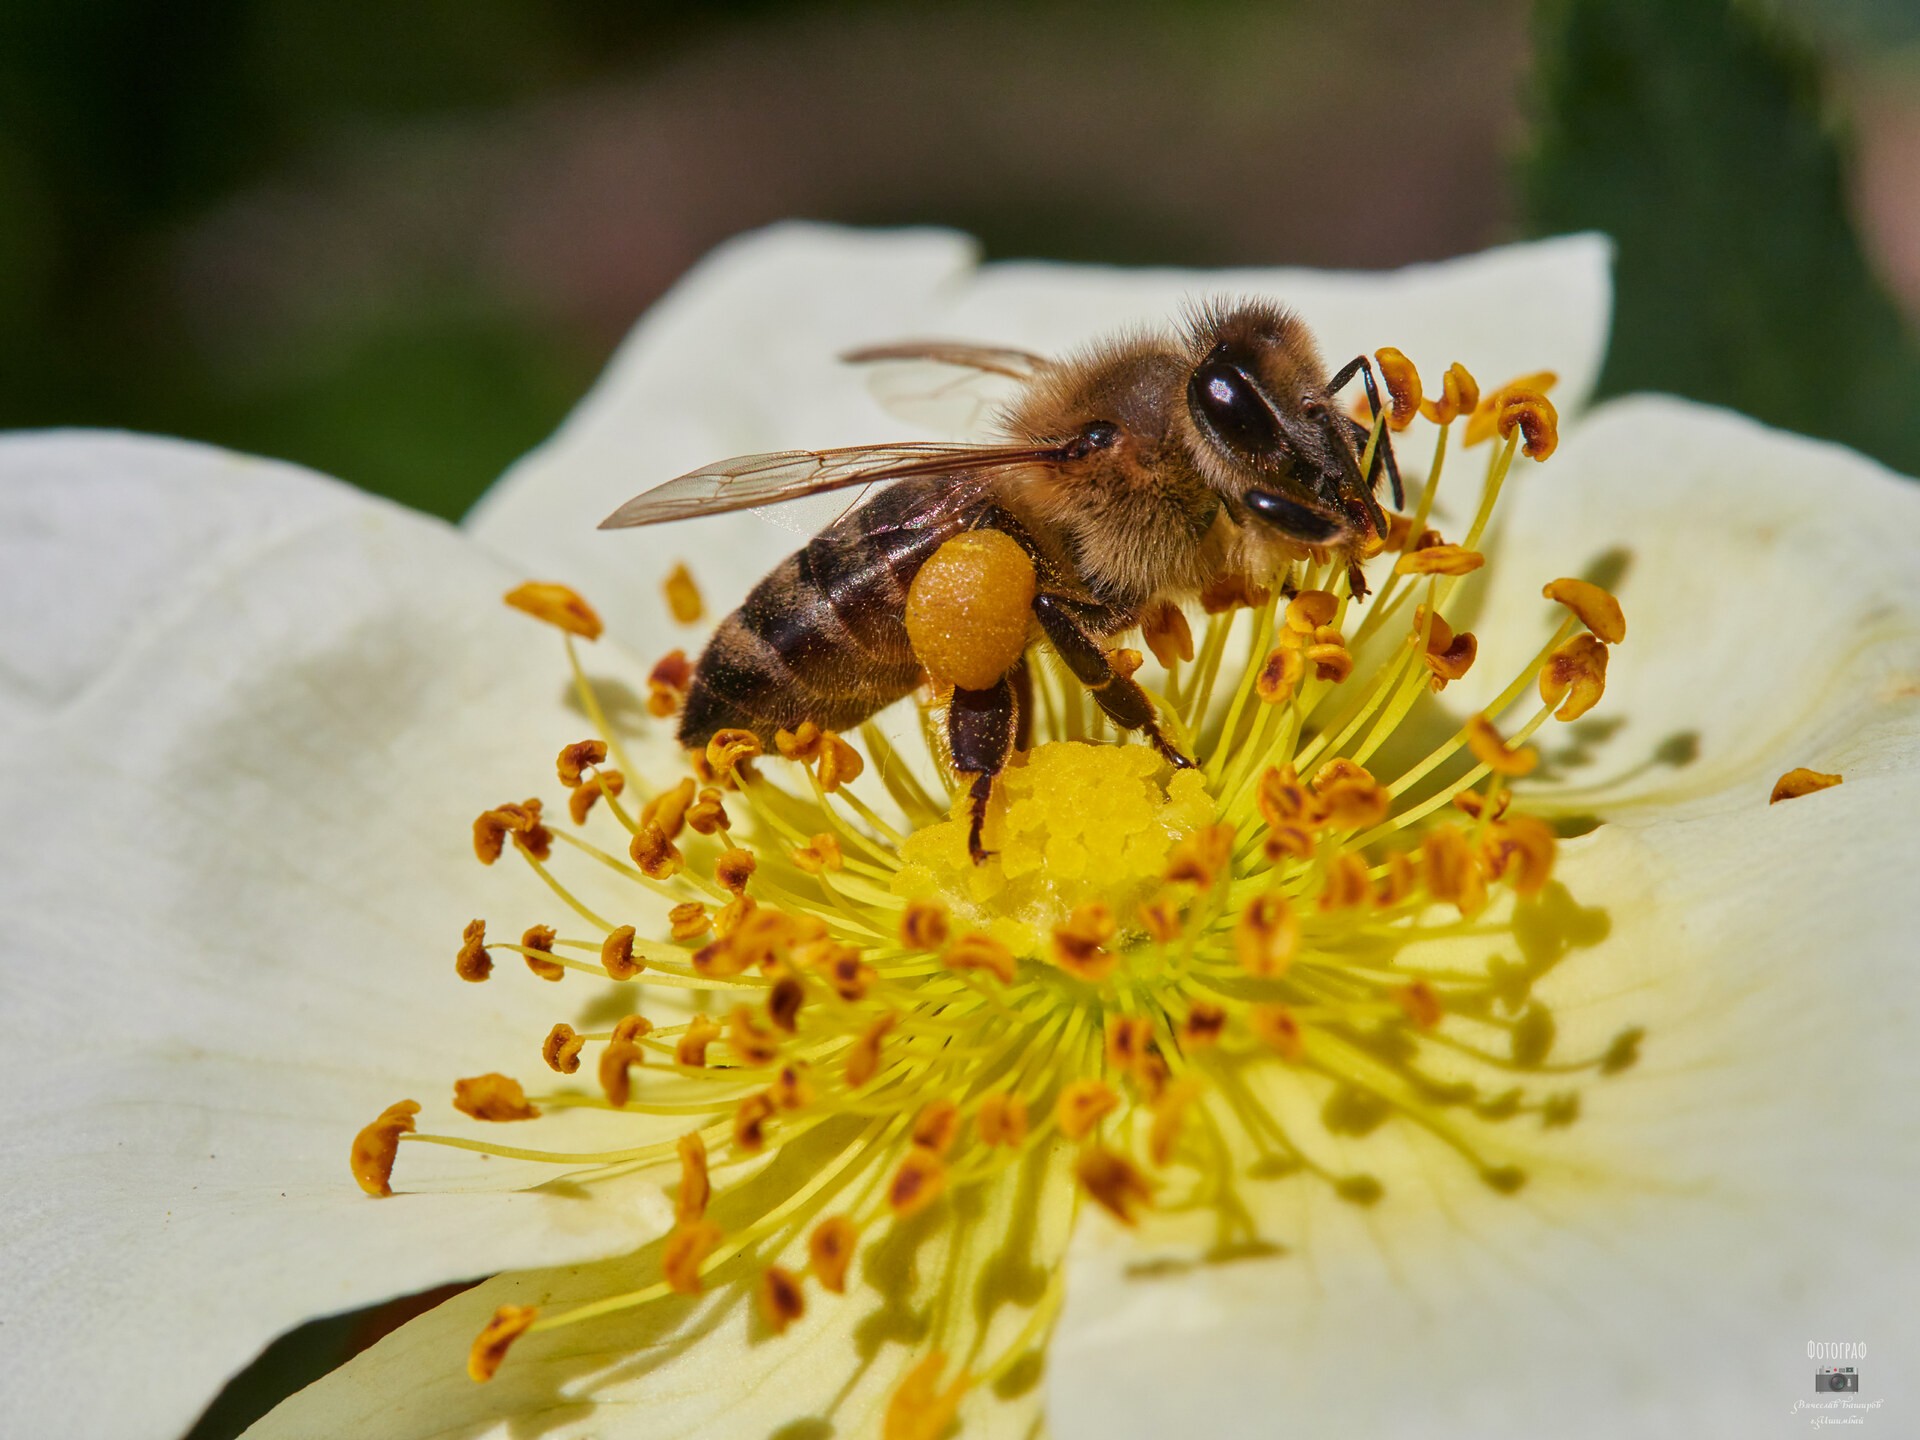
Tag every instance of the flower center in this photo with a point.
(1162, 991)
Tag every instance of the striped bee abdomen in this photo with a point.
(824, 637)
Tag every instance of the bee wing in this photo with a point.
(945, 385)
(751, 481)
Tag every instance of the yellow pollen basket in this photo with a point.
(882, 1080)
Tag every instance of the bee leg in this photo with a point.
(1125, 703)
(981, 728)
(1359, 365)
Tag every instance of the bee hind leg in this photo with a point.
(982, 726)
(1124, 702)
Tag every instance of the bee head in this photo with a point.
(1266, 436)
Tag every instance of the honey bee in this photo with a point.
(1133, 474)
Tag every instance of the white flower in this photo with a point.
(244, 714)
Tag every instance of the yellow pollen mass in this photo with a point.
(1168, 995)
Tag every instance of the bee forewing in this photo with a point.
(943, 385)
(750, 481)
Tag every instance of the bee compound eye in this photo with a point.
(1101, 434)
(1226, 405)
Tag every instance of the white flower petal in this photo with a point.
(1745, 1189)
(1771, 585)
(741, 357)
(233, 886)
(689, 1370)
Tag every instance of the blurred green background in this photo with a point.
(396, 240)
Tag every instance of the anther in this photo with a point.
(1575, 676)
(490, 1347)
(1801, 781)
(924, 925)
(1397, 885)
(1449, 655)
(1486, 414)
(1204, 1024)
(1113, 1181)
(562, 1047)
(581, 755)
(685, 1251)
(1328, 655)
(691, 1049)
(616, 955)
(1597, 608)
(1421, 1002)
(1160, 918)
(750, 1118)
(1403, 385)
(539, 938)
(668, 683)
(1459, 395)
(849, 975)
(632, 1028)
(1125, 662)
(473, 962)
(801, 745)
(920, 1409)
(1266, 936)
(1169, 1116)
(557, 605)
(830, 1251)
(863, 1056)
(1494, 753)
(733, 868)
(751, 1042)
(582, 799)
(1348, 884)
(936, 1126)
(820, 855)
(728, 748)
(784, 1002)
(708, 814)
(1002, 1120)
(1521, 853)
(1232, 592)
(1311, 609)
(1536, 419)
(1167, 634)
(977, 950)
(1079, 945)
(375, 1147)
(1278, 1028)
(493, 1097)
(1451, 869)
(1202, 858)
(1279, 676)
(656, 855)
(917, 1183)
(1082, 1105)
(616, 1062)
(688, 920)
(1439, 559)
(683, 596)
(668, 810)
(781, 1302)
(840, 763)
(792, 1089)
(521, 821)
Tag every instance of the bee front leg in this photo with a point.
(981, 728)
(1125, 703)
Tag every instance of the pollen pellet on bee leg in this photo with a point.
(970, 608)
